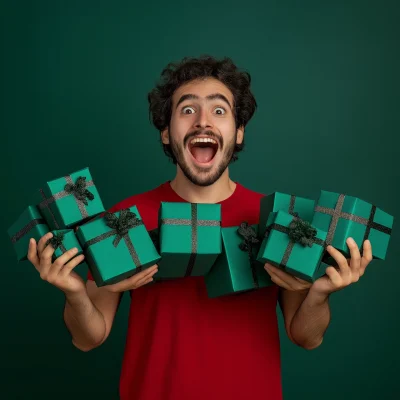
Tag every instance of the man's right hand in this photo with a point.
(60, 273)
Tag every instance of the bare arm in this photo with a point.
(89, 310)
(290, 302)
(305, 306)
(89, 315)
(309, 318)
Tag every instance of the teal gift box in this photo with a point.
(236, 268)
(62, 241)
(343, 216)
(293, 245)
(117, 246)
(289, 203)
(65, 202)
(190, 238)
(30, 224)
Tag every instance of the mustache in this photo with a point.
(208, 133)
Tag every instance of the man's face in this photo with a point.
(202, 110)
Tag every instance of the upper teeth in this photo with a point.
(203, 140)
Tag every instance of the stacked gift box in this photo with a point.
(293, 233)
(116, 245)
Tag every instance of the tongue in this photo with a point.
(203, 154)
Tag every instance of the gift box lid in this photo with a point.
(54, 196)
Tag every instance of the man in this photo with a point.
(182, 345)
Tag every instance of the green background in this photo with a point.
(74, 82)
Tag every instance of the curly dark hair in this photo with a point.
(188, 69)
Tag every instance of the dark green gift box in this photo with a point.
(293, 245)
(291, 204)
(30, 224)
(117, 246)
(66, 201)
(236, 268)
(343, 216)
(190, 238)
(64, 240)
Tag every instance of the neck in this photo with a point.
(218, 191)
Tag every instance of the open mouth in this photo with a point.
(203, 150)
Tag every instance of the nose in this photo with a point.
(203, 121)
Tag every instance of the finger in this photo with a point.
(46, 261)
(334, 276)
(355, 257)
(61, 260)
(32, 253)
(285, 277)
(340, 260)
(42, 242)
(146, 273)
(148, 280)
(68, 267)
(46, 256)
(302, 281)
(65, 257)
(132, 281)
(145, 278)
(276, 279)
(367, 256)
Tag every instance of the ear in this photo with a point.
(240, 134)
(165, 136)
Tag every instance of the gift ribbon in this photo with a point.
(56, 242)
(64, 193)
(194, 222)
(27, 228)
(337, 213)
(249, 239)
(291, 205)
(289, 248)
(121, 226)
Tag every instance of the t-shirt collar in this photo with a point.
(173, 196)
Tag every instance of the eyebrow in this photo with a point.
(213, 96)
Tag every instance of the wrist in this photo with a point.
(72, 297)
(317, 298)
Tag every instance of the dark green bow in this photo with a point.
(56, 240)
(127, 220)
(302, 232)
(249, 236)
(78, 189)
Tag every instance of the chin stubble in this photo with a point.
(196, 178)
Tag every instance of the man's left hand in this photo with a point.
(336, 278)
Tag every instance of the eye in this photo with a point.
(183, 109)
(221, 108)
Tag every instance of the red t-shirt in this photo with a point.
(182, 345)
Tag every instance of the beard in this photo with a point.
(203, 176)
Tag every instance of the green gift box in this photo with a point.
(117, 246)
(30, 224)
(343, 216)
(236, 268)
(190, 238)
(289, 203)
(62, 241)
(293, 245)
(66, 201)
